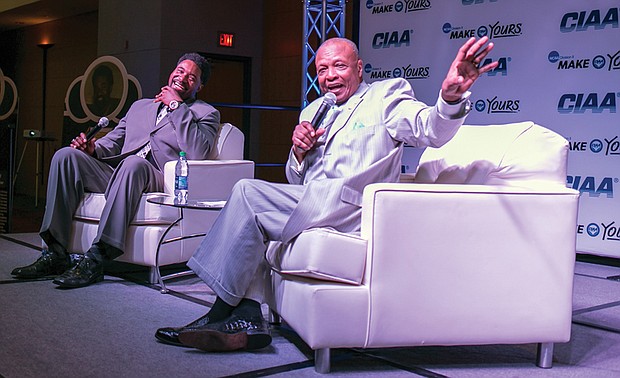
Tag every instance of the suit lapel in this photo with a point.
(153, 120)
(346, 111)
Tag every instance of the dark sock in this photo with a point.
(56, 249)
(109, 252)
(96, 252)
(52, 245)
(248, 307)
(220, 310)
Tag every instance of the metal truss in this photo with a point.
(323, 19)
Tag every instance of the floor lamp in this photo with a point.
(41, 143)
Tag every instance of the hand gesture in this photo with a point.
(465, 68)
(166, 95)
(80, 143)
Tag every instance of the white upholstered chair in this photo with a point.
(209, 179)
(479, 249)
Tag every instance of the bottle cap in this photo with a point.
(182, 153)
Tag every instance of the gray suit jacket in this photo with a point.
(364, 145)
(193, 127)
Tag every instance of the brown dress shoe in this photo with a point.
(170, 335)
(237, 332)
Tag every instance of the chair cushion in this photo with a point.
(322, 254)
(148, 214)
(518, 154)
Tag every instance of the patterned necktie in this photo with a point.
(144, 151)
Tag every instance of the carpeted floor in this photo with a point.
(106, 330)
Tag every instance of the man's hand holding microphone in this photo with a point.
(86, 142)
(306, 133)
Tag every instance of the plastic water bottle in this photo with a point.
(181, 172)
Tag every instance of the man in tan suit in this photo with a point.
(360, 142)
(123, 164)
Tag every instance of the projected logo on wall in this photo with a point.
(8, 97)
(105, 89)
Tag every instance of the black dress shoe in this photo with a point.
(170, 335)
(86, 272)
(233, 333)
(48, 264)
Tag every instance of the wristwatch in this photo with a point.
(173, 105)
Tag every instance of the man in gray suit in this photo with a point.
(123, 164)
(360, 142)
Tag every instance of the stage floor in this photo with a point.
(107, 329)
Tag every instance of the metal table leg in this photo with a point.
(163, 241)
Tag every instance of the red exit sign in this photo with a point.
(226, 39)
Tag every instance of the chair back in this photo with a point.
(230, 143)
(516, 154)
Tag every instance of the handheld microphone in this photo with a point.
(103, 122)
(329, 100)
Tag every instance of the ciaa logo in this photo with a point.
(392, 39)
(593, 186)
(595, 19)
(580, 103)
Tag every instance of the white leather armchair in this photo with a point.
(479, 249)
(209, 179)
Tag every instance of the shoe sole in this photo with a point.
(75, 286)
(167, 341)
(40, 275)
(214, 341)
(34, 277)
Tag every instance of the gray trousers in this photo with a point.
(230, 257)
(72, 173)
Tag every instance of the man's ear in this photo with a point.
(360, 66)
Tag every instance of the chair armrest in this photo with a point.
(485, 255)
(210, 179)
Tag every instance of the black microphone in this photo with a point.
(329, 100)
(103, 122)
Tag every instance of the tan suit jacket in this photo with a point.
(364, 145)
